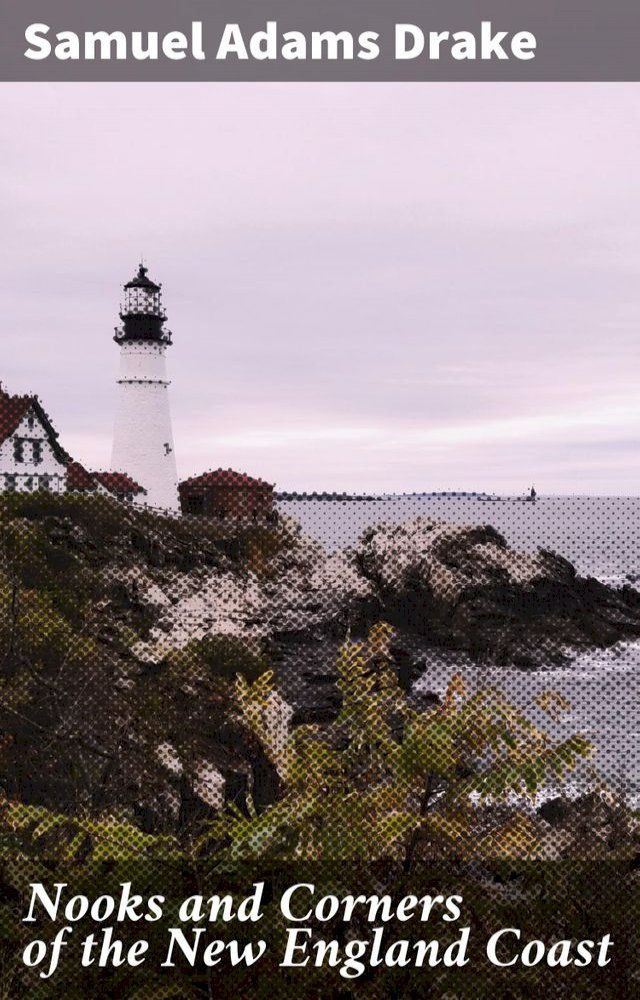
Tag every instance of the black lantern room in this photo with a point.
(142, 314)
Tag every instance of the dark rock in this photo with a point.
(464, 588)
(320, 678)
(555, 811)
(305, 715)
(592, 823)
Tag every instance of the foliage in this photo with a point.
(218, 656)
(82, 717)
(387, 780)
(34, 831)
(101, 530)
(402, 799)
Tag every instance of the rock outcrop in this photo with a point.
(124, 631)
(464, 589)
(449, 591)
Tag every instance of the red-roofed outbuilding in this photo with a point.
(225, 493)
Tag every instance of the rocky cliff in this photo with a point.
(121, 633)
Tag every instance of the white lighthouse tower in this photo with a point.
(142, 438)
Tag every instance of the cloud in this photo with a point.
(370, 287)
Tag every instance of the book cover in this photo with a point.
(319, 500)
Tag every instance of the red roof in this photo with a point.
(118, 482)
(78, 478)
(12, 410)
(226, 477)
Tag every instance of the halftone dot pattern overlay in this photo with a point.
(418, 695)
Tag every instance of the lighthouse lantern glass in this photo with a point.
(142, 314)
(145, 301)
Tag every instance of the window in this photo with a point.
(18, 450)
(10, 482)
(45, 482)
(194, 504)
(37, 452)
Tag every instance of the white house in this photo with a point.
(32, 459)
(30, 456)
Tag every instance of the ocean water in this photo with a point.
(601, 537)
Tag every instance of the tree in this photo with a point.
(389, 780)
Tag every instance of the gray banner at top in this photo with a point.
(574, 40)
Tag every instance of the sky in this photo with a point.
(371, 287)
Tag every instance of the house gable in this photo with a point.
(30, 456)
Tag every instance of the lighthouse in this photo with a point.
(142, 438)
